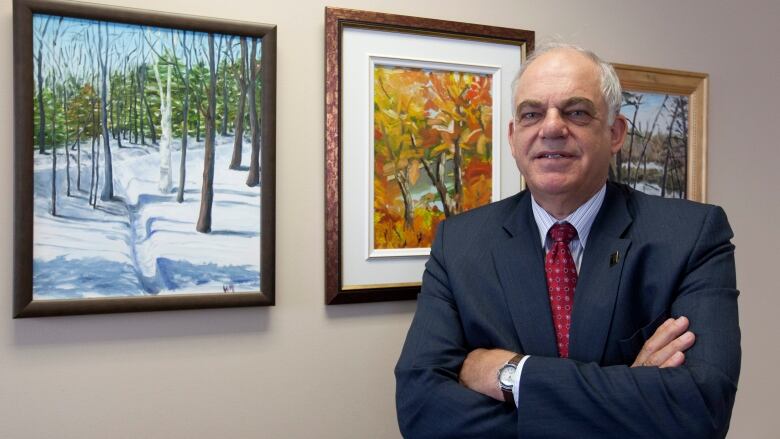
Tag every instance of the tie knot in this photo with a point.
(563, 232)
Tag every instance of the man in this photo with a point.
(569, 309)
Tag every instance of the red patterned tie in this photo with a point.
(561, 281)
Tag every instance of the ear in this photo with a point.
(511, 128)
(511, 136)
(617, 133)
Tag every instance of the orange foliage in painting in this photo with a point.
(432, 151)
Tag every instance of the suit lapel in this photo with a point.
(519, 261)
(599, 278)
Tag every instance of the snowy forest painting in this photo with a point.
(147, 148)
(654, 157)
(665, 151)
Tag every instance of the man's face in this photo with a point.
(560, 136)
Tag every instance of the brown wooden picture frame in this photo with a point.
(25, 305)
(336, 21)
(677, 82)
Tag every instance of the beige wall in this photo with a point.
(301, 369)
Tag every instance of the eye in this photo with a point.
(579, 116)
(529, 117)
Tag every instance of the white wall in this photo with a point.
(301, 369)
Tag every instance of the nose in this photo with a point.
(553, 125)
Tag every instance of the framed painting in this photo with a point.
(417, 112)
(665, 152)
(144, 160)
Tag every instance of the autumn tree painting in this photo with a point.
(432, 150)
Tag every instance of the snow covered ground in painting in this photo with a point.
(144, 242)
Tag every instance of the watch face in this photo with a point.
(506, 375)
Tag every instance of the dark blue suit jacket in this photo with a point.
(484, 287)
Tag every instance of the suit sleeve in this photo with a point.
(558, 396)
(430, 401)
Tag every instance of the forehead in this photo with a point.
(558, 75)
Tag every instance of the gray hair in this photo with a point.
(610, 84)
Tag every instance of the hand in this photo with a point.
(480, 371)
(667, 345)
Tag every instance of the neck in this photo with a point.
(562, 205)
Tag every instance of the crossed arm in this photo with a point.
(665, 348)
(445, 390)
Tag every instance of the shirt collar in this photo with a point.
(582, 218)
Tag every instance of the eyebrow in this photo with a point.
(532, 103)
(576, 100)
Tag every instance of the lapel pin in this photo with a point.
(614, 258)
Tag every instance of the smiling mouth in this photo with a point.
(553, 156)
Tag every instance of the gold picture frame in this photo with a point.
(639, 80)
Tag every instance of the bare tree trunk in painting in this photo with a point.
(253, 179)
(123, 113)
(406, 193)
(78, 155)
(165, 184)
(649, 135)
(97, 171)
(436, 176)
(669, 146)
(185, 120)
(141, 101)
(458, 174)
(39, 74)
(199, 104)
(53, 147)
(225, 101)
(134, 109)
(65, 145)
(92, 164)
(401, 175)
(95, 157)
(241, 79)
(112, 123)
(108, 183)
(207, 192)
(636, 102)
(53, 79)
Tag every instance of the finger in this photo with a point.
(680, 344)
(676, 360)
(650, 345)
(668, 331)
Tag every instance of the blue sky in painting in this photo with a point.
(651, 102)
(72, 42)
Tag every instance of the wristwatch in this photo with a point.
(506, 378)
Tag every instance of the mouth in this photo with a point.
(554, 155)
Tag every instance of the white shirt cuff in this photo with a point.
(518, 373)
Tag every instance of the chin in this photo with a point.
(553, 184)
(550, 189)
